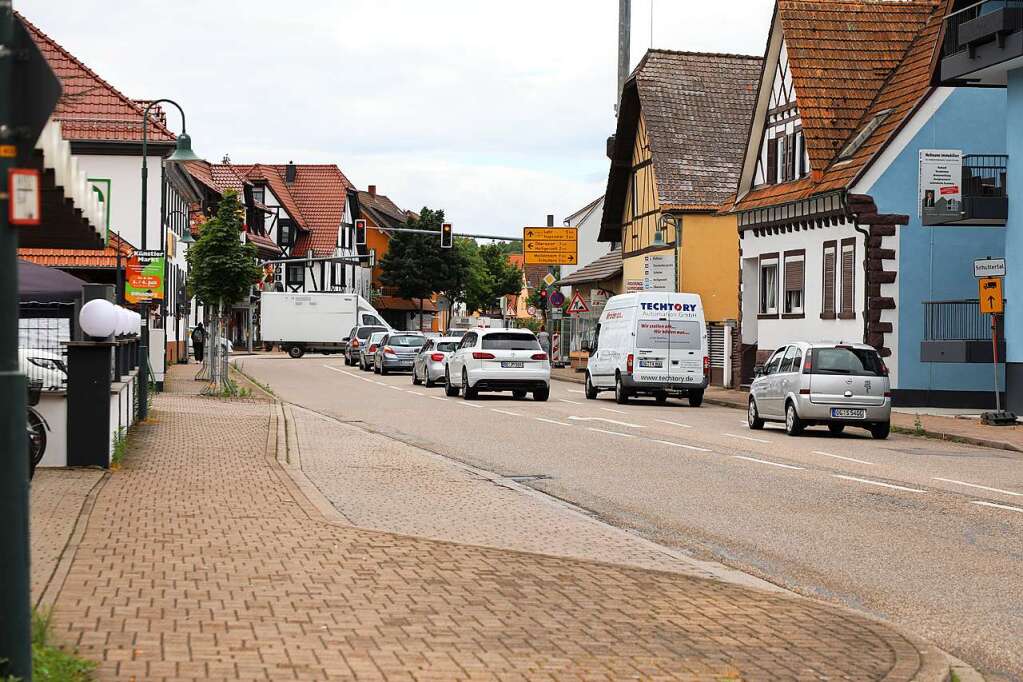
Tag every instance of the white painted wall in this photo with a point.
(589, 248)
(773, 333)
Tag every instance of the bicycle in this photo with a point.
(36, 427)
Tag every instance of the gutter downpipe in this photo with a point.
(866, 246)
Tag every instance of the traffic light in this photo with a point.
(360, 232)
(543, 298)
(445, 236)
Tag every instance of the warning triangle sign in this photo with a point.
(578, 305)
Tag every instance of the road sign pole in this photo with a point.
(994, 351)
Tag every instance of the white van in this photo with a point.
(650, 343)
(313, 322)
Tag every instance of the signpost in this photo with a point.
(989, 267)
(550, 245)
(578, 305)
(989, 273)
(557, 299)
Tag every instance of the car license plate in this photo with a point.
(846, 413)
(512, 365)
(650, 362)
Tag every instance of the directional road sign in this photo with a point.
(991, 295)
(550, 245)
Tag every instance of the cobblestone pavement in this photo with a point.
(57, 497)
(201, 560)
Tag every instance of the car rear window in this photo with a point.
(510, 342)
(406, 341)
(364, 332)
(447, 346)
(846, 361)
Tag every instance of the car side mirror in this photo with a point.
(759, 370)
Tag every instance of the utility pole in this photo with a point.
(624, 34)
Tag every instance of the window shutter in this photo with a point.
(772, 161)
(848, 278)
(801, 157)
(789, 160)
(794, 274)
(829, 280)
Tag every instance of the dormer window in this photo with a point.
(259, 194)
(850, 149)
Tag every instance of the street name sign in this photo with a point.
(990, 292)
(550, 245)
(989, 267)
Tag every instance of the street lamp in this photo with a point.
(669, 220)
(182, 152)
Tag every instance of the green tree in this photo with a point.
(505, 276)
(415, 264)
(221, 269)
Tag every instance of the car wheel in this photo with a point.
(696, 397)
(542, 394)
(621, 395)
(881, 431)
(415, 378)
(793, 424)
(468, 392)
(753, 416)
(661, 398)
(383, 370)
(430, 383)
(836, 428)
(296, 351)
(518, 395)
(590, 390)
(449, 390)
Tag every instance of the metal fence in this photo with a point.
(957, 40)
(43, 332)
(956, 321)
(984, 175)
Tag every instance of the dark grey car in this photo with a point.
(397, 351)
(356, 339)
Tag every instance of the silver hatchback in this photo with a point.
(837, 384)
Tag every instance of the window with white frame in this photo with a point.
(768, 284)
(794, 281)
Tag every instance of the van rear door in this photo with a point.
(844, 375)
(652, 362)
(669, 341)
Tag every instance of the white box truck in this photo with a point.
(313, 322)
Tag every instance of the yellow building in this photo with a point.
(675, 160)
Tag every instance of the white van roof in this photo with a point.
(634, 299)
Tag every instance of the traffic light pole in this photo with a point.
(15, 609)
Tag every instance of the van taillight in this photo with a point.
(808, 364)
(887, 394)
(706, 365)
(628, 363)
(437, 357)
(884, 368)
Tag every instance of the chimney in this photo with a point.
(550, 220)
(372, 190)
(226, 160)
(289, 172)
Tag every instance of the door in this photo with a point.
(598, 365)
(766, 386)
(789, 374)
(652, 362)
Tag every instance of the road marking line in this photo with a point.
(611, 409)
(507, 412)
(573, 390)
(764, 461)
(464, 404)
(982, 487)
(665, 421)
(421, 395)
(551, 421)
(613, 433)
(380, 383)
(574, 402)
(883, 485)
(755, 440)
(848, 459)
(435, 397)
(681, 445)
(609, 421)
(394, 388)
(997, 506)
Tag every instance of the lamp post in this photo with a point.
(670, 220)
(182, 152)
(186, 240)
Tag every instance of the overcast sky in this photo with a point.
(496, 112)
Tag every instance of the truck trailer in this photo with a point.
(313, 322)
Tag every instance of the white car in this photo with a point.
(498, 360)
(44, 365)
(432, 358)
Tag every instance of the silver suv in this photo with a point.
(805, 384)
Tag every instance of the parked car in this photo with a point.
(367, 349)
(44, 365)
(355, 340)
(650, 343)
(498, 360)
(429, 364)
(397, 351)
(805, 384)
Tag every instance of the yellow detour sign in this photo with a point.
(991, 295)
(550, 245)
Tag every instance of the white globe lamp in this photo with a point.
(136, 325)
(98, 318)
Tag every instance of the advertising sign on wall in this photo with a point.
(940, 186)
(143, 281)
(659, 272)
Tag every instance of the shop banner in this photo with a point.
(143, 280)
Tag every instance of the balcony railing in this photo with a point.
(980, 36)
(984, 200)
(956, 321)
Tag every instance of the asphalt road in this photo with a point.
(925, 534)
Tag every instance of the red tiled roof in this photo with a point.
(203, 173)
(383, 211)
(90, 108)
(265, 245)
(851, 60)
(227, 177)
(410, 304)
(80, 258)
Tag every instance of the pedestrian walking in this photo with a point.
(545, 339)
(199, 341)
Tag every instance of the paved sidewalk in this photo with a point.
(932, 426)
(202, 560)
